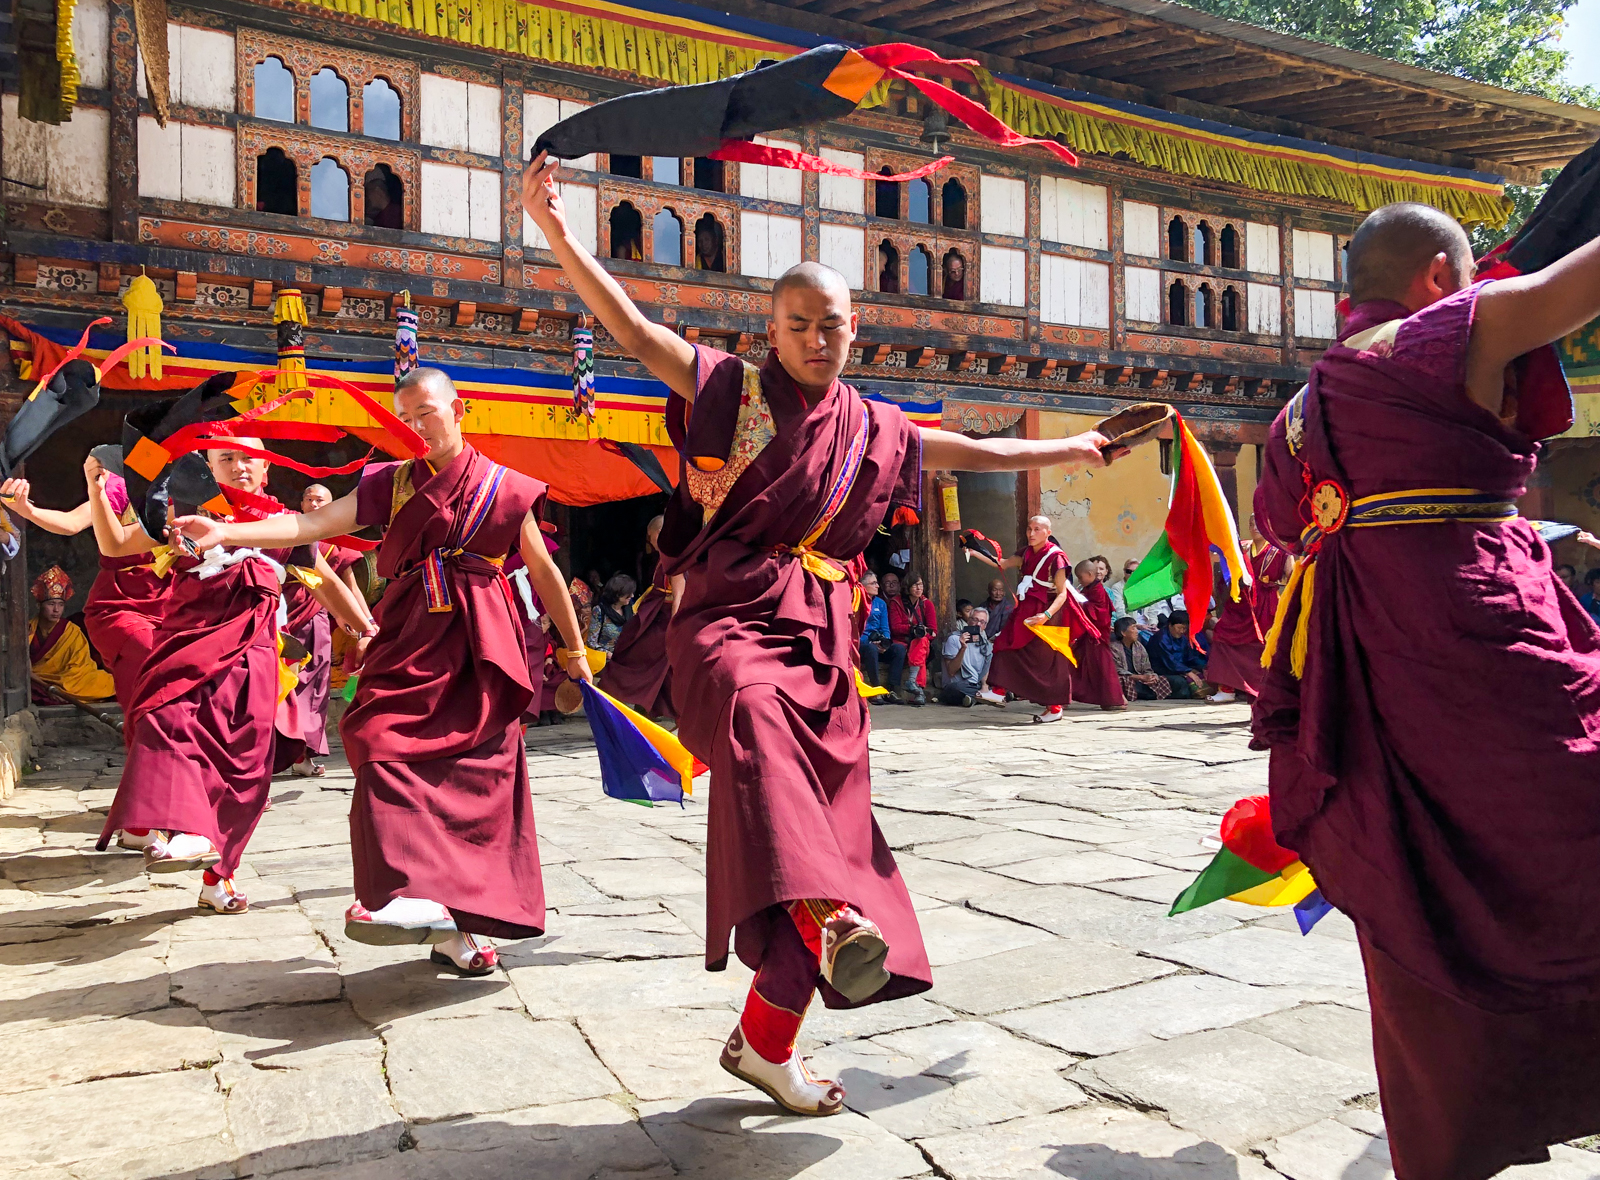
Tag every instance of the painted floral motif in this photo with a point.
(753, 431)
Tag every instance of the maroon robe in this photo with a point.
(1436, 766)
(1234, 661)
(204, 709)
(310, 623)
(763, 659)
(539, 646)
(123, 609)
(442, 808)
(1023, 663)
(1095, 679)
(638, 672)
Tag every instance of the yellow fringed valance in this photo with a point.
(67, 56)
(673, 49)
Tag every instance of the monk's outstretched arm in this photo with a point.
(557, 599)
(111, 536)
(661, 350)
(14, 493)
(1515, 316)
(945, 450)
(276, 532)
(336, 597)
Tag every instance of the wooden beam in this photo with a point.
(1433, 120)
(1189, 80)
(1110, 54)
(874, 13)
(1301, 84)
(1187, 63)
(939, 27)
(1028, 46)
(939, 13)
(835, 7)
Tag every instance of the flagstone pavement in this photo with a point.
(1073, 1029)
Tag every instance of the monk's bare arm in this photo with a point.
(945, 450)
(110, 534)
(15, 494)
(1056, 603)
(677, 590)
(336, 597)
(276, 532)
(557, 600)
(1515, 316)
(661, 350)
(348, 577)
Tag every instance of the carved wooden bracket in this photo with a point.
(261, 293)
(110, 278)
(25, 271)
(528, 319)
(187, 284)
(466, 312)
(332, 300)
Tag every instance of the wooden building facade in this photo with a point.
(368, 152)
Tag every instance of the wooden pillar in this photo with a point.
(124, 154)
(1028, 488)
(1225, 458)
(511, 166)
(933, 556)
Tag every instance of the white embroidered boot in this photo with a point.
(467, 954)
(789, 1084)
(405, 921)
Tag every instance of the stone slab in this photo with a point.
(117, 1115)
(334, 1112)
(298, 1037)
(950, 882)
(1272, 957)
(1329, 1150)
(1079, 868)
(953, 934)
(216, 975)
(645, 877)
(1330, 1031)
(1091, 915)
(665, 1052)
(590, 1140)
(441, 1069)
(573, 937)
(564, 991)
(1057, 969)
(998, 848)
(62, 1055)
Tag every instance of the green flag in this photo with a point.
(1226, 875)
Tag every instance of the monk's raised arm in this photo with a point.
(555, 597)
(661, 350)
(14, 493)
(945, 450)
(276, 532)
(341, 602)
(1515, 316)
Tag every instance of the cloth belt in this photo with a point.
(818, 563)
(1333, 512)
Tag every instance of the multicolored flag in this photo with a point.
(639, 761)
(1199, 522)
(1252, 867)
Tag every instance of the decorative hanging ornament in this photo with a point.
(144, 306)
(583, 368)
(405, 336)
(290, 316)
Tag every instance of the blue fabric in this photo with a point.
(630, 767)
(877, 627)
(1590, 604)
(1310, 910)
(1175, 656)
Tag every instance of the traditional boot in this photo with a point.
(139, 841)
(789, 1083)
(218, 894)
(405, 921)
(467, 954)
(179, 852)
(852, 955)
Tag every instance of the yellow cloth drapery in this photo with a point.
(69, 666)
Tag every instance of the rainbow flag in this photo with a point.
(1199, 522)
(639, 761)
(1252, 867)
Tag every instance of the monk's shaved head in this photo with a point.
(809, 276)
(435, 383)
(427, 401)
(1397, 244)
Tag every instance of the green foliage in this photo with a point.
(1511, 43)
(1523, 199)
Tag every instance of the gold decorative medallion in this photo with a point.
(1329, 506)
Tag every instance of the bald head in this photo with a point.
(426, 400)
(237, 468)
(809, 276)
(1409, 253)
(812, 326)
(315, 496)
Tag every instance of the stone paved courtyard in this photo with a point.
(1073, 1029)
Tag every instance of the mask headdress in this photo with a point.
(53, 583)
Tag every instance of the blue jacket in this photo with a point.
(877, 627)
(1174, 656)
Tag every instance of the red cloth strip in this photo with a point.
(315, 472)
(403, 434)
(122, 350)
(359, 544)
(302, 431)
(980, 120)
(72, 353)
(253, 504)
(743, 151)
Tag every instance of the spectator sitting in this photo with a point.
(999, 605)
(1140, 682)
(912, 622)
(1176, 658)
(963, 611)
(1591, 598)
(967, 652)
(611, 613)
(1569, 575)
(875, 641)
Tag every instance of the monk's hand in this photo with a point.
(93, 472)
(15, 493)
(1587, 538)
(540, 198)
(578, 667)
(203, 532)
(1037, 620)
(1093, 449)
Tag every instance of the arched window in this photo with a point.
(954, 275)
(1230, 247)
(1205, 307)
(330, 190)
(886, 201)
(1177, 304)
(380, 110)
(888, 269)
(627, 233)
(921, 267)
(627, 166)
(1230, 309)
(953, 199)
(1177, 240)
(922, 201)
(277, 183)
(666, 238)
(274, 88)
(709, 250)
(709, 175)
(385, 196)
(330, 101)
(1202, 244)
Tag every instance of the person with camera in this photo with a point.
(967, 652)
(912, 622)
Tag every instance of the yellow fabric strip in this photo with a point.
(1290, 887)
(1057, 639)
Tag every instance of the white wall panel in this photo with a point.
(844, 247)
(1141, 229)
(1004, 276)
(91, 42)
(1314, 314)
(484, 125)
(766, 183)
(1261, 252)
(206, 75)
(160, 159)
(1143, 300)
(539, 114)
(483, 204)
(1003, 205)
(784, 248)
(1313, 255)
(1074, 291)
(210, 171)
(446, 199)
(1264, 310)
(754, 242)
(444, 112)
(1073, 213)
(841, 192)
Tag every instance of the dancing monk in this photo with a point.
(1234, 662)
(1432, 704)
(785, 474)
(441, 825)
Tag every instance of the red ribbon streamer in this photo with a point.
(744, 151)
(72, 353)
(234, 444)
